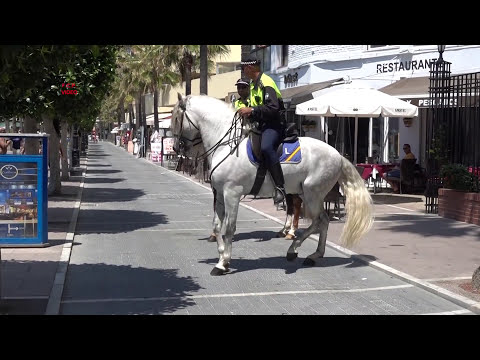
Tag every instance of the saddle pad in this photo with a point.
(290, 153)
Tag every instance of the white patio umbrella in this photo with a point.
(350, 101)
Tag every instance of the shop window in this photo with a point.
(284, 56)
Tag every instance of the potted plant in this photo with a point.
(460, 198)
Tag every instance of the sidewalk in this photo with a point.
(28, 274)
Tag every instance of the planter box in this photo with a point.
(459, 205)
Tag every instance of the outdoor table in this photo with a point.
(371, 170)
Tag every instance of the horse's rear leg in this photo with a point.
(297, 207)
(314, 202)
(232, 202)
(288, 223)
(322, 240)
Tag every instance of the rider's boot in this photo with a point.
(277, 175)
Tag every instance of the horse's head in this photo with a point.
(184, 127)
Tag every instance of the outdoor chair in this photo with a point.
(334, 197)
(412, 177)
(431, 194)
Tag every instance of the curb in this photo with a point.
(55, 297)
(437, 290)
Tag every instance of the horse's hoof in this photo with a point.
(217, 272)
(308, 262)
(212, 238)
(291, 256)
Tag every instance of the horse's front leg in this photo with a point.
(231, 203)
(216, 230)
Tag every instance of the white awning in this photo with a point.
(161, 118)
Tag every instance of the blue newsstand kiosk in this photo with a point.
(24, 195)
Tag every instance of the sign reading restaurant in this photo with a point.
(405, 65)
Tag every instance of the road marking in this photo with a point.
(39, 297)
(162, 230)
(269, 293)
(169, 221)
(398, 207)
(454, 312)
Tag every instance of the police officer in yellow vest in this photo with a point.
(266, 107)
(243, 89)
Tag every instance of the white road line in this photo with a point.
(39, 297)
(454, 312)
(169, 221)
(212, 296)
(398, 207)
(163, 230)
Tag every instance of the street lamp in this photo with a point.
(441, 49)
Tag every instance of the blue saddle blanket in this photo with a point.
(290, 153)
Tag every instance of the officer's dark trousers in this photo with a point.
(270, 140)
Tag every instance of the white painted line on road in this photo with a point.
(169, 221)
(269, 293)
(163, 230)
(398, 207)
(55, 298)
(39, 297)
(454, 312)
(183, 194)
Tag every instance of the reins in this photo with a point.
(233, 139)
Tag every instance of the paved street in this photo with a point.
(141, 247)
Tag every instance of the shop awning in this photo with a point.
(161, 118)
(299, 94)
(408, 87)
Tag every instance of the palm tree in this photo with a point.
(155, 59)
(186, 59)
(204, 69)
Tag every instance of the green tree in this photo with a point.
(33, 81)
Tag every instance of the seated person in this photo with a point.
(393, 176)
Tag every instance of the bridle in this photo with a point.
(195, 141)
(198, 140)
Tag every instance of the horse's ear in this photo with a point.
(181, 101)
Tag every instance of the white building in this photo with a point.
(302, 71)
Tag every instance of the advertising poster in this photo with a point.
(156, 151)
(168, 145)
(18, 200)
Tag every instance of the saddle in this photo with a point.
(288, 152)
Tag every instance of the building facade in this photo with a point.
(306, 71)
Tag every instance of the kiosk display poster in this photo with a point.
(18, 200)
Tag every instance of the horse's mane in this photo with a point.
(217, 111)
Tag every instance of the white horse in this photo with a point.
(205, 119)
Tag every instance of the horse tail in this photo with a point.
(358, 205)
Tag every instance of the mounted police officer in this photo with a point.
(243, 89)
(266, 108)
